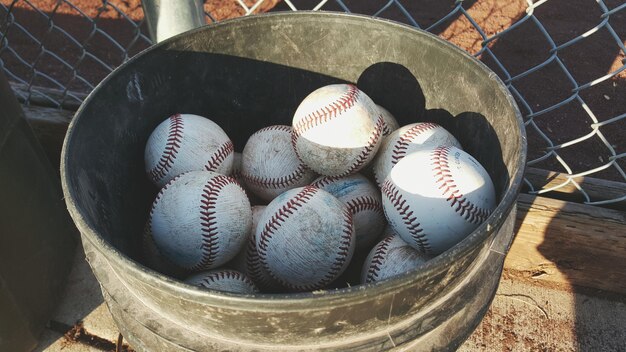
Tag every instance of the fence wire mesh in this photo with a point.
(564, 61)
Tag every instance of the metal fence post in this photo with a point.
(167, 18)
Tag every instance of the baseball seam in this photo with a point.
(402, 144)
(343, 248)
(277, 182)
(173, 142)
(281, 128)
(324, 114)
(208, 220)
(443, 177)
(377, 259)
(386, 130)
(219, 156)
(364, 203)
(364, 155)
(255, 266)
(226, 274)
(279, 217)
(410, 221)
(328, 112)
(325, 181)
(160, 195)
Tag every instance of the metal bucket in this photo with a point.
(251, 72)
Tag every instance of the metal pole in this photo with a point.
(167, 18)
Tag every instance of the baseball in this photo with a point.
(364, 202)
(390, 123)
(336, 130)
(186, 142)
(200, 220)
(390, 257)
(305, 238)
(223, 280)
(408, 139)
(435, 198)
(270, 165)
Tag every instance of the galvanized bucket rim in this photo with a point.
(295, 300)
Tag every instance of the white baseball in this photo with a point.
(305, 238)
(435, 198)
(186, 142)
(408, 139)
(390, 257)
(390, 122)
(336, 130)
(364, 202)
(270, 165)
(200, 220)
(223, 280)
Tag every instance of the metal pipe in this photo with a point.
(167, 18)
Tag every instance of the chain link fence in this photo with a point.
(563, 61)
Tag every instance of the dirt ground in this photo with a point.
(93, 55)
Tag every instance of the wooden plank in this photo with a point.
(569, 243)
(41, 96)
(597, 189)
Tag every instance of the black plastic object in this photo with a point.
(248, 73)
(37, 236)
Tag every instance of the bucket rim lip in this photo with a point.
(193, 293)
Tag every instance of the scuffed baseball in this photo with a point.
(434, 198)
(363, 200)
(186, 142)
(305, 238)
(408, 139)
(200, 220)
(390, 123)
(337, 130)
(270, 165)
(223, 280)
(391, 257)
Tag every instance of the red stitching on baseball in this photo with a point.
(280, 216)
(404, 139)
(174, 139)
(160, 195)
(363, 203)
(410, 221)
(343, 249)
(226, 274)
(281, 128)
(362, 158)
(325, 113)
(325, 181)
(208, 222)
(461, 205)
(219, 156)
(386, 130)
(377, 259)
(280, 182)
(255, 266)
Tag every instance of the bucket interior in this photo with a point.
(248, 74)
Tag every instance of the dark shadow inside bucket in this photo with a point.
(116, 123)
